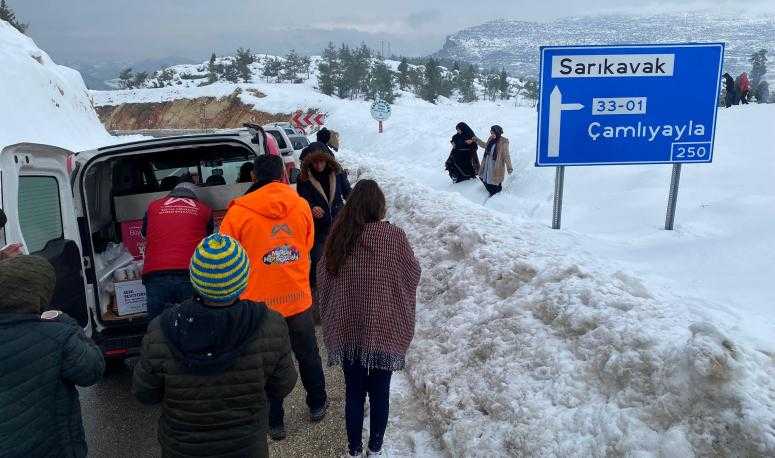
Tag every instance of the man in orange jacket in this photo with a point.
(276, 228)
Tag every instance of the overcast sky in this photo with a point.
(135, 30)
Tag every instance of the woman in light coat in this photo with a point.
(496, 160)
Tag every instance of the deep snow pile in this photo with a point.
(42, 102)
(526, 350)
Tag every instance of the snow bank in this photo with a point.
(525, 350)
(610, 337)
(42, 102)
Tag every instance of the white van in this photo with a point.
(81, 212)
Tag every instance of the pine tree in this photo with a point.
(290, 67)
(447, 84)
(416, 79)
(381, 83)
(140, 79)
(126, 79)
(431, 86)
(304, 66)
(230, 73)
(242, 62)
(212, 70)
(762, 92)
(360, 69)
(7, 14)
(327, 70)
(503, 85)
(758, 67)
(466, 84)
(343, 77)
(403, 74)
(530, 90)
(165, 78)
(272, 68)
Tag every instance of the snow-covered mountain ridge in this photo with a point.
(514, 44)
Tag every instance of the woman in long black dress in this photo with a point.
(463, 162)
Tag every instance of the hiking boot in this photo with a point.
(277, 433)
(369, 452)
(348, 454)
(318, 414)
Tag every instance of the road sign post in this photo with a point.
(380, 111)
(639, 104)
(672, 198)
(559, 185)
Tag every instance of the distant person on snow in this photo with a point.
(43, 357)
(325, 187)
(330, 138)
(213, 360)
(367, 290)
(334, 141)
(172, 227)
(496, 160)
(463, 162)
(731, 91)
(744, 87)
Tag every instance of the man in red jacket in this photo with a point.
(173, 227)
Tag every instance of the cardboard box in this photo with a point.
(130, 297)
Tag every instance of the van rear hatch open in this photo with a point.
(113, 187)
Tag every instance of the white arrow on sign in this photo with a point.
(556, 107)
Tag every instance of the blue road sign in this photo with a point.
(648, 104)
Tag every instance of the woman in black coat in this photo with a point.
(325, 186)
(463, 162)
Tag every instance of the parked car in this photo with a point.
(83, 212)
(290, 140)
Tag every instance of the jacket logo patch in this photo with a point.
(284, 254)
(281, 228)
(180, 200)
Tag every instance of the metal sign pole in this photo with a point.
(380, 127)
(559, 183)
(672, 198)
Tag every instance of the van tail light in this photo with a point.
(70, 163)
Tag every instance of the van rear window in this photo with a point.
(40, 211)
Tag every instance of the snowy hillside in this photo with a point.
(610, 337)
(42, 102)
(514, 44)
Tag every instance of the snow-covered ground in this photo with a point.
(42, 102)
(610, 337)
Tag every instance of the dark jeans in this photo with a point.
(301, 330)
(493, 188)
(318, 250)
(166, 289)
(358, 383)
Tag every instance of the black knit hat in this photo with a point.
(324, 135)
(268, 168)
(27, 283)
(497, 130)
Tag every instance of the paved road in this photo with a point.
(119, 426)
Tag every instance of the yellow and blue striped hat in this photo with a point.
(219, 269)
